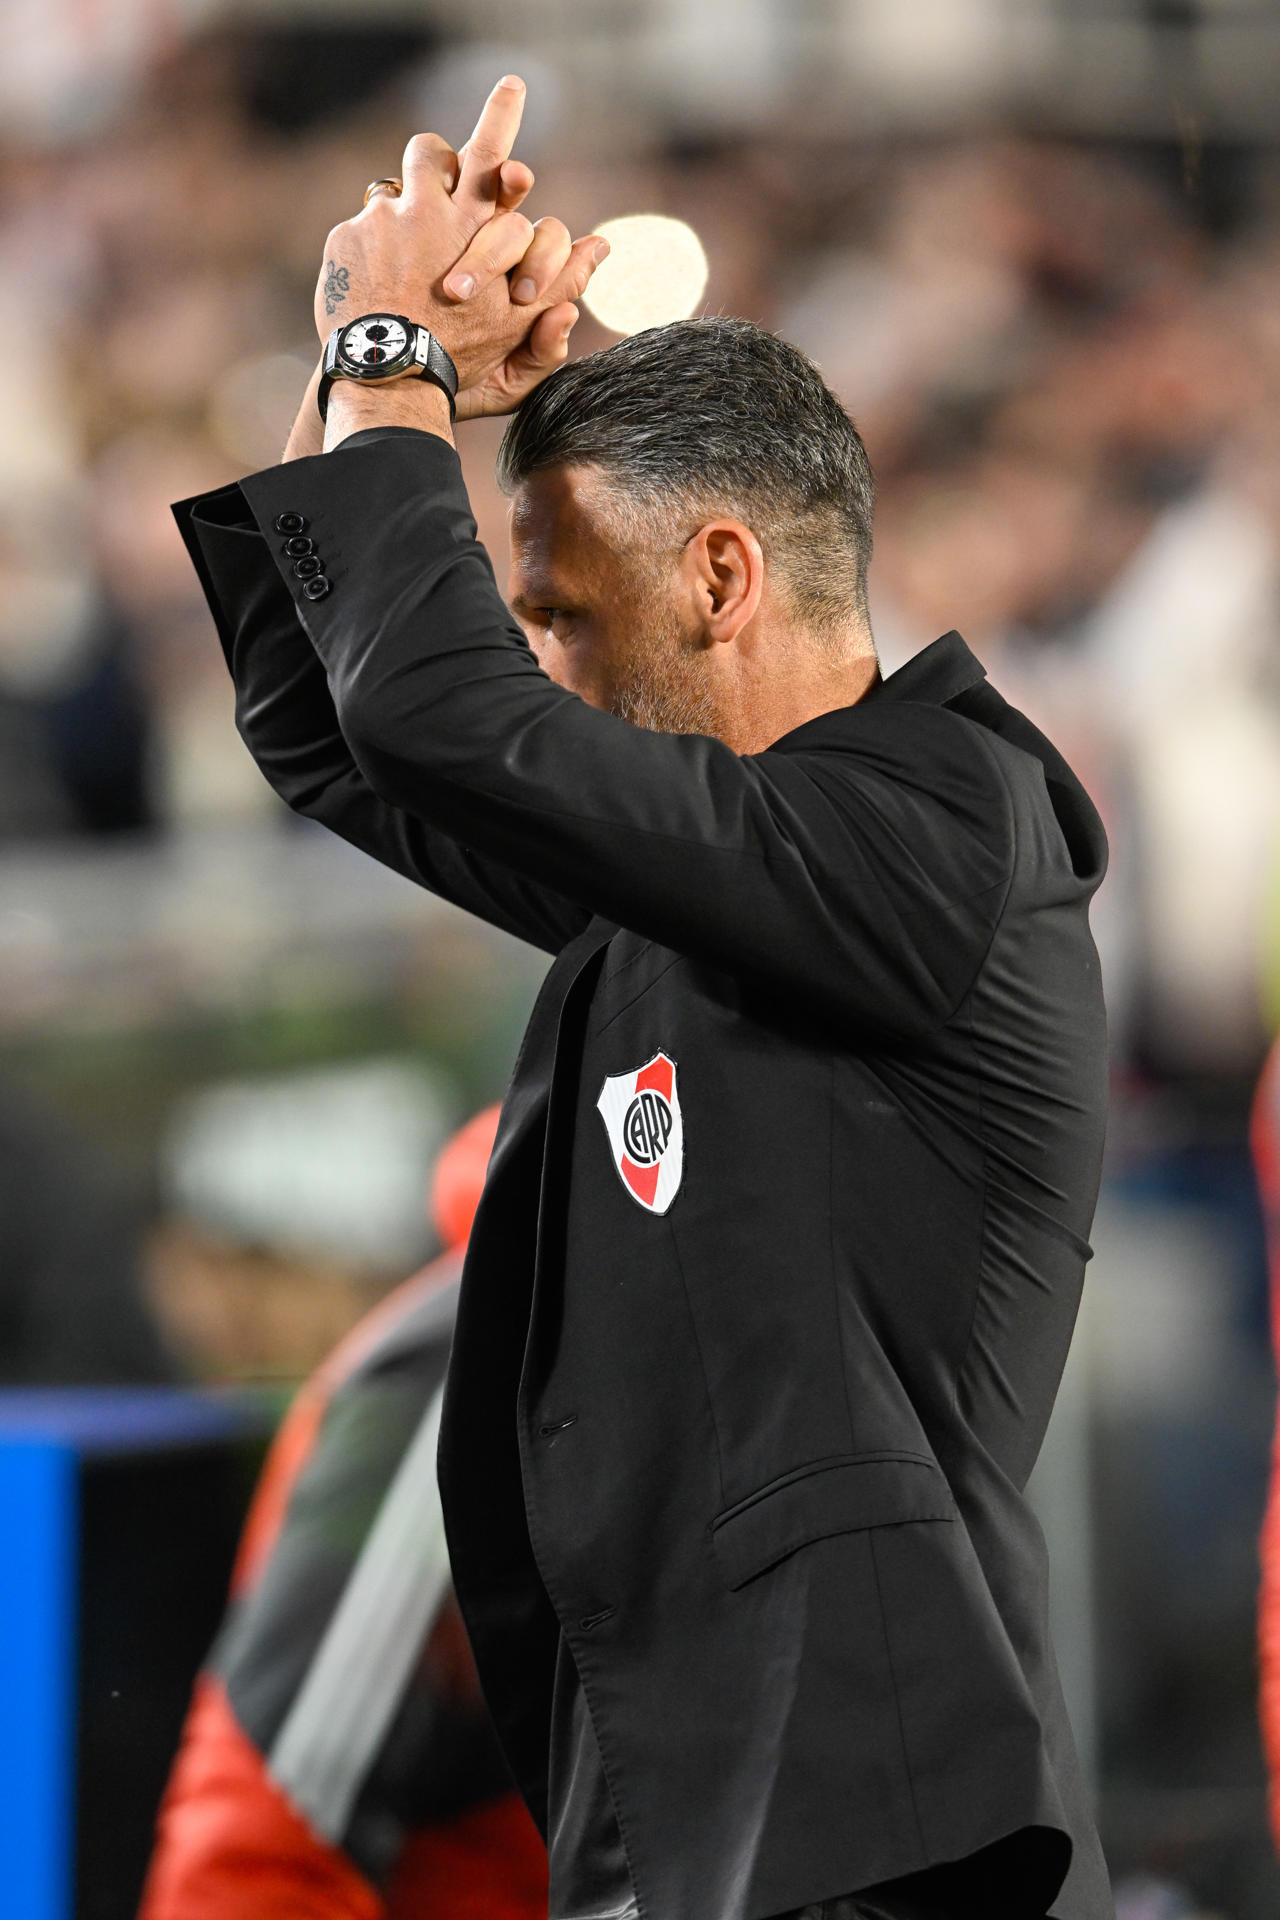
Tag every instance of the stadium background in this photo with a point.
(1035, 245)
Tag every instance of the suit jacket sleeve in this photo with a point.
(866, 874)
(285, 715)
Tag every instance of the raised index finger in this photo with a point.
(489, 145)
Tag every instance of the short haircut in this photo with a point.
(715, 416)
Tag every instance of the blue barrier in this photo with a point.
(45, 1434)
(38, 1500)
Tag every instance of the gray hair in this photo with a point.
(712, 416)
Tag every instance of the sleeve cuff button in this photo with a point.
(290, 523)
(317, 587)
(305, 568)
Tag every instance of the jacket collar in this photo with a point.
(938, 673)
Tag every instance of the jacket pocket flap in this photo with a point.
(831, 1496)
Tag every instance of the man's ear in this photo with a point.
(726, 565)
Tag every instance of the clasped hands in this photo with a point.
(454, 253)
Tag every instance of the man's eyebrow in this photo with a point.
(538, 593)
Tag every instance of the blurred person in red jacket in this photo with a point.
(337, 1758)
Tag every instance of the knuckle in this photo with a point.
(551, 229)
(428, 146)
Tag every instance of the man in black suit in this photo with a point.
(776, 1271)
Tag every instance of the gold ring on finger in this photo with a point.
(394, 187)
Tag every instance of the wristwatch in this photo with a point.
(385, 346)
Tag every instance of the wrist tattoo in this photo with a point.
(336, 286)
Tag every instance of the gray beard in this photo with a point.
(666, 687)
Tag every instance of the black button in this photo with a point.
(316, 589)
(290, 523)
(308, 565)
(301, 543)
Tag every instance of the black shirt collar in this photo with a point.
(938, 673)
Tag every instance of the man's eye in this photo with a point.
(547, 619)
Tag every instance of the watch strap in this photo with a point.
(436, 365)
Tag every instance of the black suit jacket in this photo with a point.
(752, 1431)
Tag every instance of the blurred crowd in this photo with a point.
(1065, 361)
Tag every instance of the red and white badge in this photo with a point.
(641, 1114)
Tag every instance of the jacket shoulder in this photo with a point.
(925, 753)
(1035, 767)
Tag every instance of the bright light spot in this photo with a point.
(656, 273)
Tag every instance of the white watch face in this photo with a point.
(372, 342)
